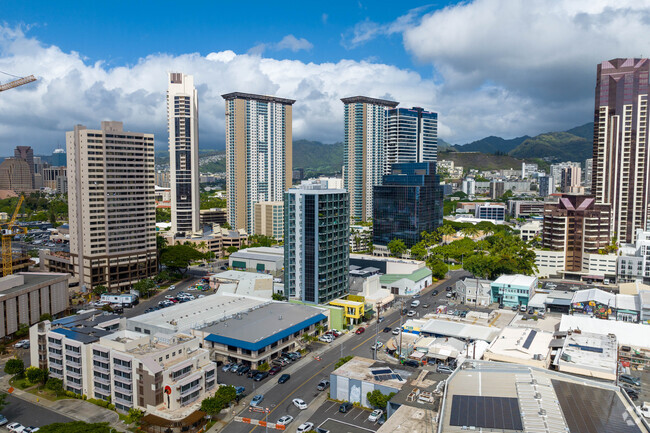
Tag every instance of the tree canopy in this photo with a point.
(14, 366)
(379, 400)
(397, 247)
(178, 257)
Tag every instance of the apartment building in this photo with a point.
(258, 153)
(364, 150)
(183, 127)
(112, 206)
(15, 176)
(411, 136)
(269, 219)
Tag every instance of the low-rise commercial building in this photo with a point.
(490, 211)
(474, 291)
(258, 259)
(530, 230)
(353, 311)
(386, 265)
(587, 354)
(521, 346)
(359, 376)
(513, 290)
(407, 284)
(243, 283)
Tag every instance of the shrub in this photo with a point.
(263, 367)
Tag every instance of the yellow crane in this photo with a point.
(19, 82)
(8, 231)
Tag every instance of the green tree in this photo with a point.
(144, 287)
(397, 247)
(221, 399)
(163, 215)
(15, 367)
(45, 316)
(178, 257)
(161, 246)
(232, 249)
(379, 400)
(163, 276)
(226, 226)
(23, 330)
(342, 361)
(76, 427)
(134, 416)
(99, 290)
(277, 297)
(263, 366)
(438, 268)
(55, 385)
(445, 231)
(419, 251)
(211, 406)
(35, 375)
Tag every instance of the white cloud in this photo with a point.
(290, 42)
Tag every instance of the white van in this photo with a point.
(415, 303)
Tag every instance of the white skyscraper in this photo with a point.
(258, 154)
(183, 127)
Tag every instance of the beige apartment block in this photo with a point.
(15, 175)
(269, 219)
(112, 208)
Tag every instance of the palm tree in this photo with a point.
(469, 231)
(446, 230)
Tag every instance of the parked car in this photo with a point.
(336, 333)
(3, 420)
(441, 368)
(387, 329)
(435, 293)
(396, 331)
(448, 289)
(299, 403)
(323, 385)
(240, 390)
(450, 295)
(411, 363)
(631, 380)
(378, 345)
(227, 367)
(345, 407)
(279, 361)
(375, 415)
(631, 392)
(21, 343)
(284, 420)
(15, 427)
(522, 308)
(261, 376)
(411, 313)
(380, 319)
(415, 304)
(425, 305)
(284, 378)
(257, 400)
(360, 330)
(31, 429)
(275, 370)
(531, 311)
(326, 338)
(305, 427)
(243, 370)
(251, 373)
(236, 368)
(463, 314)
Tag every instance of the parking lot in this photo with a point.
(355, 421)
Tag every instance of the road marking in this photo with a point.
(297, 388)
(346, 423)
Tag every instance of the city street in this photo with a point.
(153, 301)
(304, 380)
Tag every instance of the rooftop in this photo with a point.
(371, 371)
(27, 280)
(628, 334)
(368, 100)
(458, 330)
(263, 325)
(516, 280)
(87, 327)
(240, 276)
(416, 276)
(589, 351)
(276, 251)
(409, 419)
(597, 295)
(521, 343)
(254, 97)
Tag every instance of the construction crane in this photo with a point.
(9, 230)
(19, 82)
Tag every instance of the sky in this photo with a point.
(488, 67)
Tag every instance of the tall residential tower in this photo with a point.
(621, 170)
(364, 145)
(183, 128)
(411, 136)
(112, 207)
(258, 154)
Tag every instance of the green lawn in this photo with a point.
(20, 383)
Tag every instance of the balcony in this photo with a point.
(74, 362)
(122, 368)
(73, 373)
(123, 390)
(101, 368)
(102, 380)
(102, 391)
(123, 402)
(101, 358)
(55, 355)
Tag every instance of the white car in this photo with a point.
(377, 345)
(300, 403)
(172, 287)
(284, 420)
(411, 313)
(170, 296)
(15, 427)
(375, 415)
(396, 331)
(326, 339)
(305, 427)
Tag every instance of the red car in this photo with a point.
(360, 330)
(275, 370)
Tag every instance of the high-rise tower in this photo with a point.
(621, 168)
(183, 128)
(364, 145)
(411, 136)
(258, 154)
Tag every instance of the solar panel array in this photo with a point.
(587, 348)
(487, 412)
(540, 410)
(529, 339)
(589, 409)
(385, 374)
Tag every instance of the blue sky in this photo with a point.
(488, 67)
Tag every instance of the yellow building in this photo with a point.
(353, 311)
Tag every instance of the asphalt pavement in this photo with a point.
(30, 414)
(153, 301)
(306, 375)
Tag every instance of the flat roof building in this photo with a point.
(258, 259)
(521, 346)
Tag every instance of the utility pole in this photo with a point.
(374, 352)
(401, 310)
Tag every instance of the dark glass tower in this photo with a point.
(407, 203)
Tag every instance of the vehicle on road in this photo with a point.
(387, 329)
(378, 345)
(261, 376)
(243, 370)
(299, 403)
(360, 330)
(305, 427)
(415, 304)
(644, 410)
(240, 390)
(275, 370)
(323, 385)
(631, 380)
(440, 368)
(172, 287)
(411, 363)
(375, 415)
(381, 319)
(435, 293)
(284, 420)
(425, 305)
(284, 378)
(450, 295)
(3, 420)
(411, 313)
(396, 331)
(15, 427)
(23, 344)
(448, 289)
(257, 400)
(345, 407)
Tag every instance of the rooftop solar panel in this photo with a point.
(382, 371)
(529, 339)
(487, 412)
(588, 409)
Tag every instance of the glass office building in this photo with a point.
(407, 203)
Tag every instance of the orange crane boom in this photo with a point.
(8, 231)
(16, 83)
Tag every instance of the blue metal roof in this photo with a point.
(79, 336)
(268, 340)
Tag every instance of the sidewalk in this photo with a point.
(79, 410)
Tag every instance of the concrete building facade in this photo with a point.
(269, 219)
(183, 127)
(112, 208)
(411, 136)
(258, 154)
(15, 175)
